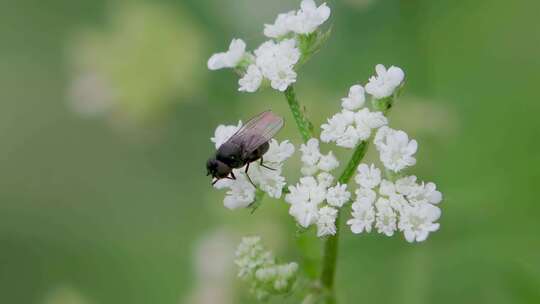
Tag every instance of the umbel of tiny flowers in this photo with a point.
(403, 204)
(315, 199)
(356, 121)
(240, 192)
(294, 38)
(258, 267)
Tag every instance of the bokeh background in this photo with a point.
(106, 110)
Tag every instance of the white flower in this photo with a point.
(365, 196)
(326, 223)
(328, 162)
(398, 202)
(385, 83)
(372, 120)
(310, 152)
(363, 217)
(306, 191)
(349, 138)
(417, 221)
(223, 133)
(355, 99)
(425, 193)
(325, 179)
(241, 193)
(395, 150)
(368, 177)
(251, 80)
(305, 198)
(338, 195)
(304, 213)
(386, 218)
(276, 62)
(281, 79)
(269, 181)
(278, 152)
(334, 128)
(309, 17)
(281, 26)
(250, 255)
(406, 185)
(257, 266)
(347, 128)
(229, 59)
(387, 188)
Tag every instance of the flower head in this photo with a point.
(385, 82)
(386, 218)
(338, 195)
(396, 151)
(417, 221)
(406, 185)
(347, 128)
(276, 62)
(368, 176)
(230, 58)
(355, 99)
(252, 79)
(363, 216)
(309, 17)
(257, 266)
(281, 26)
(425, 193)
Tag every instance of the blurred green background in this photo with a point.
(106, 109)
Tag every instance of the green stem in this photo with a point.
(331, 244)
(303, 124)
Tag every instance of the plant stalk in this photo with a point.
(304, 126)
(330, 250)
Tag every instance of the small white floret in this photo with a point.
(385, 82)
(251, 81)
(229, 59)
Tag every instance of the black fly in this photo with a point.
(247, 145)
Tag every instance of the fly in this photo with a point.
(247, 145)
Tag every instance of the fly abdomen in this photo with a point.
(257, 153)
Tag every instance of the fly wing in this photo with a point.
(257, 131)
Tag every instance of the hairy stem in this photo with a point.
(304, 126)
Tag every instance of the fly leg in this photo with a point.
(249, 178)
(262, 165)
(232, 175)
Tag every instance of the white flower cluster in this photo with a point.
(241, 192)
(304, 21)
(405, 205)
(313, 199)
(258, 266)
(230, 58)
(354, 123)
(273, 60)
(396, 151)
(386, 82)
